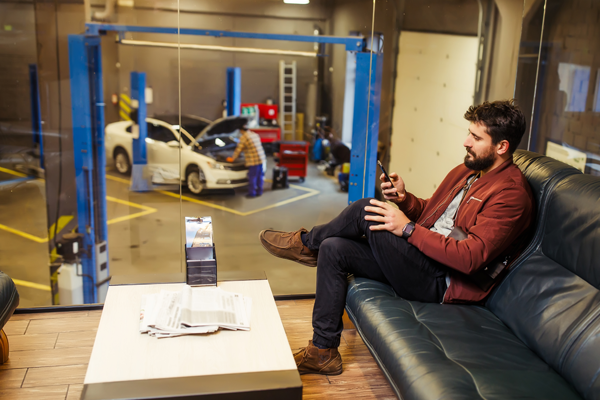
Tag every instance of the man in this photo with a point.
(408, 247)
(254, 155)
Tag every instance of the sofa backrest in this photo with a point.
(551, 298)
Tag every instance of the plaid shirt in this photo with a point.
(252, 147)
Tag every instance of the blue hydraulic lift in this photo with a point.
(36, 112)
(140, 159)
(88, 127)
(234, 91)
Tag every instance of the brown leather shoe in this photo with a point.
(288, 245)
(312, 360)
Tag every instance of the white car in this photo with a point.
(205, 147)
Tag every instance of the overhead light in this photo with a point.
(296, 1)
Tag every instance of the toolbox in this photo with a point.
(293, 155)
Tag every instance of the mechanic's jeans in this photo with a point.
(255, 180)
(380, 255)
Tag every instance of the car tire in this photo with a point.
(122, 163)
(195, 180)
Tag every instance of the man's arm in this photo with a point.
(496, 227)
(240, 147)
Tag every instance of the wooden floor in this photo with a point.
(49, 354)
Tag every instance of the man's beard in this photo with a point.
(480, 163)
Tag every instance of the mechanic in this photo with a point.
(255, 158)
(412, 247)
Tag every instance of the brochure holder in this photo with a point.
(201, 266)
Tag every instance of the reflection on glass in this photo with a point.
(565, 117)
(121, 140)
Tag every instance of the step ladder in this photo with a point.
(287, 99)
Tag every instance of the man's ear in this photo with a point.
(502, 147)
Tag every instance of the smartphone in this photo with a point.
(386, 175)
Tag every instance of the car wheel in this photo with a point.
(195, 180)
(122, 163)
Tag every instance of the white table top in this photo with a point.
(122, 353)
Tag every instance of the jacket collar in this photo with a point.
(496, 171)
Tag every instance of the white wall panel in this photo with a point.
(434, 88)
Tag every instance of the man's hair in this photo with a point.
(503, 121)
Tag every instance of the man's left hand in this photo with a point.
(391, 219)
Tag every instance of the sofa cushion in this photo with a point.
(551, 299)
(9, 298)
(435, 351)
(540, 171)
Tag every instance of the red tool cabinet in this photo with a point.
(294, 156)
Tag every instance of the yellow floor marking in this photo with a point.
(311, 192)
(204, 203)
(147, 210)
(15, 173)
(130, 216)
(117, 179)
(23, 234)
(64, 220)
(32, 285)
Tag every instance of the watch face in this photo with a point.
(408, 228)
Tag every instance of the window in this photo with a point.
(160, 133)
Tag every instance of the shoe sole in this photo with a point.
(271, 253)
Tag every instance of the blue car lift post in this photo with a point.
(139, 183)
(88, 125)
(234, 91)
(87, 107)
(36, 112)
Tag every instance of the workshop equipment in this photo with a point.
(294, 156)
(280, 178)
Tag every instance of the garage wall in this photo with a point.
(436, 75)
(357, 16)
(17, 51)
(203, 72)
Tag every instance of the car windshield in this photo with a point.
(191, 126)
(223, 127)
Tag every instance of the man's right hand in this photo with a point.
(395, 186)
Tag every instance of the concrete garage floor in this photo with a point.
(146, 232)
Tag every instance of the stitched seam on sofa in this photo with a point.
(446, 353)
(373, 353)
(536, 241)
(568, 346)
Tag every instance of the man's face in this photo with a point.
(481, 152)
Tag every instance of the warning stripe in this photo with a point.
(124, 107)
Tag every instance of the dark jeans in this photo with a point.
(255, 180)
(381, 256)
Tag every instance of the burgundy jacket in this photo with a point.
(496, 213)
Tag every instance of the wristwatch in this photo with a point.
(408, 230)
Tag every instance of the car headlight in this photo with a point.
(216, 165)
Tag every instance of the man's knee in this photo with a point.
(329, 251)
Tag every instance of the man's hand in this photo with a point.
(229, 159)
(395, 186)
(391, 219)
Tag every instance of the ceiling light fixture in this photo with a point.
(296, 1)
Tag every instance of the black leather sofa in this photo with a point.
(9, 300)
(538, 334)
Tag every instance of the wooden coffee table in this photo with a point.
(226, 365)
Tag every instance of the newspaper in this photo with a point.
(192, 311)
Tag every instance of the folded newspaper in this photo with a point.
(192, 311)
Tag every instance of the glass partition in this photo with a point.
(111, 135)
(450, 56)
(564, 95)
